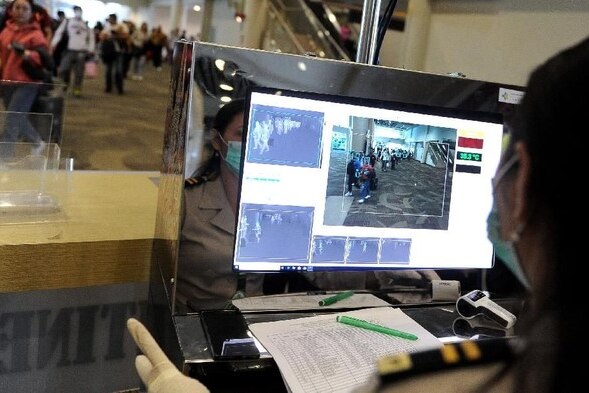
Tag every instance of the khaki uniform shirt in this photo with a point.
(206, 246)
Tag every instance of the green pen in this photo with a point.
(336, 298)
(374, 327)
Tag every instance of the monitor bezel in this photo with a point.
(434, 110)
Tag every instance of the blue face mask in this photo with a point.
(504, 249)
(233, 157)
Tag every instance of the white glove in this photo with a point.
(156, 371)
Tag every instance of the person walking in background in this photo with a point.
(385, 158)
(139, 38)
(351, 174)
(175, 35)
(373, 158)
(57, 21)
(80, 47)
(21, 41)
(127, 48)
(366, 175)
(158, 40)
(57, 52)
(114, 40)
(98, 27)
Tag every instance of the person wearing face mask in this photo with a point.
(530, 228)
(207, 236)
(208, 219)
(508, 276)
(80, 47)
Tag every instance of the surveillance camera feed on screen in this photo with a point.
(337, 183)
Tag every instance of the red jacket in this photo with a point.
(366, 172)
(31, 36)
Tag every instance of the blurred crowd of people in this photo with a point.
(61, 52)
(124, 47)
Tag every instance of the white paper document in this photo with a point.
(320, 355)
(305, 302)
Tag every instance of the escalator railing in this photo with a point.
(329, 20)
(278, 35)
(438, 154)
(294, 28)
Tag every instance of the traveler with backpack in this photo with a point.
(79, 44)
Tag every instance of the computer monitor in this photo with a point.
(427, 211)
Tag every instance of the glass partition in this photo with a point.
(207, 76)
(31, 188)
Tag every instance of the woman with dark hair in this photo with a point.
(535, 204)
(530, 228)
(21, 42)
(40, 15)
(210, 204)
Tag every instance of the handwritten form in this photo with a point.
(305, 302)
(319, 355)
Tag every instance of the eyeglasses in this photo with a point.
(501, 172)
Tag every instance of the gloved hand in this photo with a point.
(156, 371)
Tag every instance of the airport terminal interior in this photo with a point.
(99, 242)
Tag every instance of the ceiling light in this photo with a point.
(220, 64)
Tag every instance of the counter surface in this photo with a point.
(439, 318)
(102, 233)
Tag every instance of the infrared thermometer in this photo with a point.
(478, 302)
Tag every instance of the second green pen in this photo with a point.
(336, 298)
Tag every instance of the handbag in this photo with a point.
(43, 73)
(90, 69)
(36, 73)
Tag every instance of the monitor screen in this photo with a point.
(336, 183)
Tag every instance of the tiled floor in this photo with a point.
(108, 131)
(413, 195)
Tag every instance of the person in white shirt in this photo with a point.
(140, 37)
(80, 47)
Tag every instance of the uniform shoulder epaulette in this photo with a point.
(465, 353)
(194, 181)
